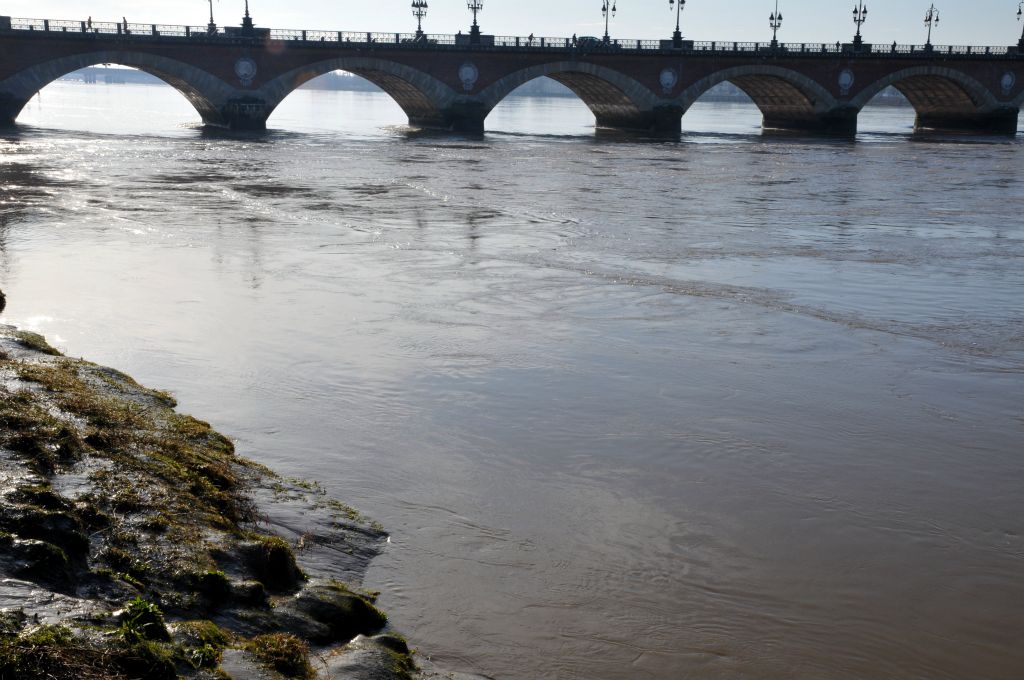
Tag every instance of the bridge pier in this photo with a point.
(9, 109)
(999, 122)
(464, 116)
(841, 122)
(244, 113)
(661, 120)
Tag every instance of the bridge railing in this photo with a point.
(584, 44)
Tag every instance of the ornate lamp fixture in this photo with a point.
(931, 18)
(860, 15)
(608, 9)
(419, 10)
(775, 21)
(677, 37)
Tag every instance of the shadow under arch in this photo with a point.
(205, 92)
(423, 98)
(615, 99)
(945, 98)
(787, 99)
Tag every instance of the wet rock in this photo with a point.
(149, 661)
(37, 561)
(280, 619)
(239, 664)
(381, 658)
(272, 562)
(249, 593)
(342, 614)
(61, 529)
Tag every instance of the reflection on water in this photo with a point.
(727, 407)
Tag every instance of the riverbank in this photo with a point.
(137, 544)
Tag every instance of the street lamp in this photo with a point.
(1020, 13)
(211, 28)
(860, 15)
(247, 27)
(419, 10)
(608, 10)
(931, 18)
(677, 37)
(474, 30)
(775, 21)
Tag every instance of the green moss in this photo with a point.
(40, 496)
(143, 621)
(131, 580)
(49, 635)
(130, 567)
(148, 659)
(272, 562)
(202, 643)
(30, 430)
(34, 341)
(157, 524)
(402, 664)
(284, 653)
(205, 633)
(213, 585)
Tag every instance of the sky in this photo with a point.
(963, 22)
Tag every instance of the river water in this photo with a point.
(728, 407)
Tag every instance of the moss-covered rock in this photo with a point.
(272, 561)
(343, 613)
(143, 519)
(286, 654)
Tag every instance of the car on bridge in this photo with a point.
(589, 42)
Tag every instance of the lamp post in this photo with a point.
(860, 15)
(608, 10)
(677, 37)
(931, 18)
(419, 10)
(247, 26)
(775, 21)
(1020, 13)
(211, 28)
(474, 30)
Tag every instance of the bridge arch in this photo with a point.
(424, 99)
(207, 93)
(945, 99)
(615, 99)
(931, 88)
(786, 98)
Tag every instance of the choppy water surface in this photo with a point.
(731, 407)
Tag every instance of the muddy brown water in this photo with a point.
(728, 407)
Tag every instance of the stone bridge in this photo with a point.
(236, 76)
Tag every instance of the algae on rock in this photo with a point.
(150, 539)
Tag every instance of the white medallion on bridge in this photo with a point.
(1008, 81)
(668, 79)
(245, 69)
(468, 74)
(846, 81)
